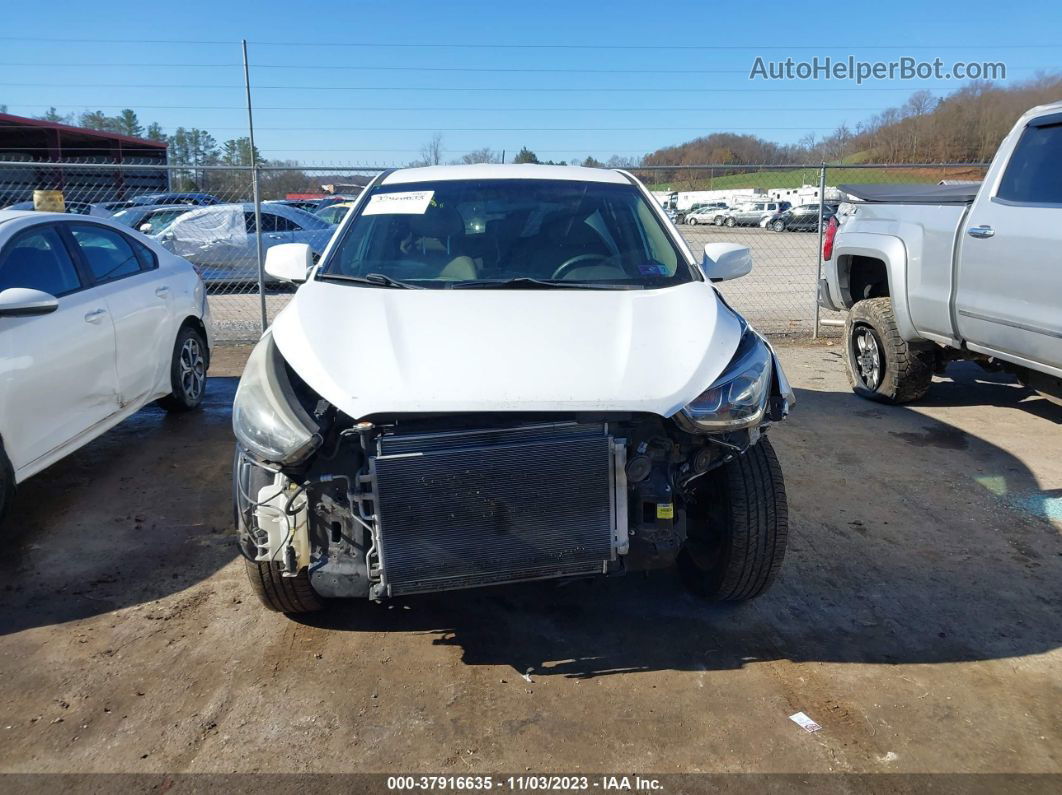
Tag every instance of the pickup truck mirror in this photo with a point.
(24, 302)
(723, 261)
(289, 262)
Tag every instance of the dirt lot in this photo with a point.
(917, 619)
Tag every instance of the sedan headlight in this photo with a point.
(738, 398)
(267, 418)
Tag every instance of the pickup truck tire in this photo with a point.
(881, 364)
(737, 528)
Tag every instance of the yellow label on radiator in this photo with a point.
(665, 510)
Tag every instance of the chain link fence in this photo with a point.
(206, 214)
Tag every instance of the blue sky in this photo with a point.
(626, 77)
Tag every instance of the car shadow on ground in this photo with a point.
(912, 541)
(140, 513)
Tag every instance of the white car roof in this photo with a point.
(504, 171)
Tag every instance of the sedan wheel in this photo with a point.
(691, 221)
(730, 222)
(188, 371)
(779, 226)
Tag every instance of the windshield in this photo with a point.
(442, 234)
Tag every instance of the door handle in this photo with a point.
(162, 292)
(274, 235)
(95, 316)
(981, 232)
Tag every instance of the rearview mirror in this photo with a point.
(723, 261)
(24, 302)
(145, 228)
(289, 262)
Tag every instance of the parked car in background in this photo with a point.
(198, 199)
(454, 398)
(335, 212)
(95, 322)
(150, 218)
(309, 205)
(705, 214)
(751, 213)
(801, 219)
(72, 207)
(929, 273)
(222, 240)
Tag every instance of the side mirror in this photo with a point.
(723, 261)
(24, 302)
(145, 228)
(289, 262)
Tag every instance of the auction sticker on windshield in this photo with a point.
(413, 202)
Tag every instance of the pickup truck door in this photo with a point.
(1008, 295)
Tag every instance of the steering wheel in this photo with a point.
(570, 264)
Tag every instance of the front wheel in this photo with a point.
(273, 589)
(881, 364)
(778, 226)
(691, 221)
(737, 528)
(731, 222)
(188, 370)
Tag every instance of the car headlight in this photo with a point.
(738, 398)
(267, 418)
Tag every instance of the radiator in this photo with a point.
(469, 508)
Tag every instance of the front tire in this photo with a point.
(274, 590)
(691, 222)
(730, 222)
(881, 365)
(188, 371)
(738, 528)
(778, 226)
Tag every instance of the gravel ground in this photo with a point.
(916, 619)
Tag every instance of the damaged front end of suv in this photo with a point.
(441, 439)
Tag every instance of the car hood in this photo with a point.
(370, 350)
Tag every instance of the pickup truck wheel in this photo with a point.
(737, 528)
(275, 591)
(882, 365)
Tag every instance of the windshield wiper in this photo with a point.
(528, 283)
(375, 279)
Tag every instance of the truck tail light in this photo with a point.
(827, 240)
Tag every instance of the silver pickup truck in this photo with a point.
(932, 273)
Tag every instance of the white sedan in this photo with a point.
(96, 321)
(222, 243)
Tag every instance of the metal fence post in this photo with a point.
(257, 196)
(818, 252)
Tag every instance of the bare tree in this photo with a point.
(484, 155)
(431, 153)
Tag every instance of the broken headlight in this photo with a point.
(267, 418)
(738, 398)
